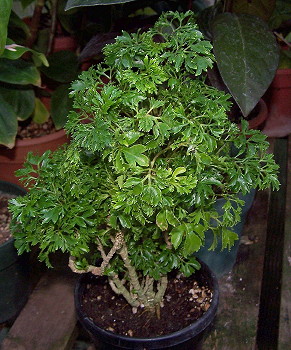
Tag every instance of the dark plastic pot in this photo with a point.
(222, 261)
(188, 338)
(14, 270)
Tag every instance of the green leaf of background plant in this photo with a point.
(13, 51)
(247, 57)
(63, 66)
(6, 6)
(61, 104)
(8, 124)
(260, 8)
(21, 100)
(19, 72)
(78, 3)
(40, 114)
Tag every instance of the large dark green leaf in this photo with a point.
(63, 66)
(8, 124)
(4, 19)
(13, 51)
(21, 100)
(18, 72)
(247, 57)
(61, 105)
(260, 8)
(78, 3)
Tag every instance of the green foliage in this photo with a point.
(21, 73)
(147, 159)
(241, 38)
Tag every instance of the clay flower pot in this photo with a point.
(278, 99)
(13, 159)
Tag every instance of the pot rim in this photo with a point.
(41, 139)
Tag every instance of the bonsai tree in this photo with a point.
(132, 195)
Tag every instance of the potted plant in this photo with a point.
(27, 122)
(279, 92)
(132, 196)
(14, 269)
(241, 37)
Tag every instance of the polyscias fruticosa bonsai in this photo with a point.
(151, 151)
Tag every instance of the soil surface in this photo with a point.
(184, 302)
(5, 217)
(28, 129)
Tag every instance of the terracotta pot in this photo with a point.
(63, 42)
(13, 159)
(278, 99)
(258, 121)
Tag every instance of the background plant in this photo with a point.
(151, 152)
(25, 60)
(241, 38)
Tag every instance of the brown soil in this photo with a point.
(5, 218)
(184, 303)
(28, 129)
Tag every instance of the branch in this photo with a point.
(95, 270)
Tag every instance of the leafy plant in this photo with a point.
(132, 195)
(22, 69)
(241, 38)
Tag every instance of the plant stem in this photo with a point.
(53, 26)
(35, 21)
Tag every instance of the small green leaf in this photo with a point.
(177, 235)
(130, 137)
(171, 218)
(51, 214)
(161, 221)
(151, 195)
(179, 171)
(192, 243)
(228, 238)
(124, 221)
(134, 155)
